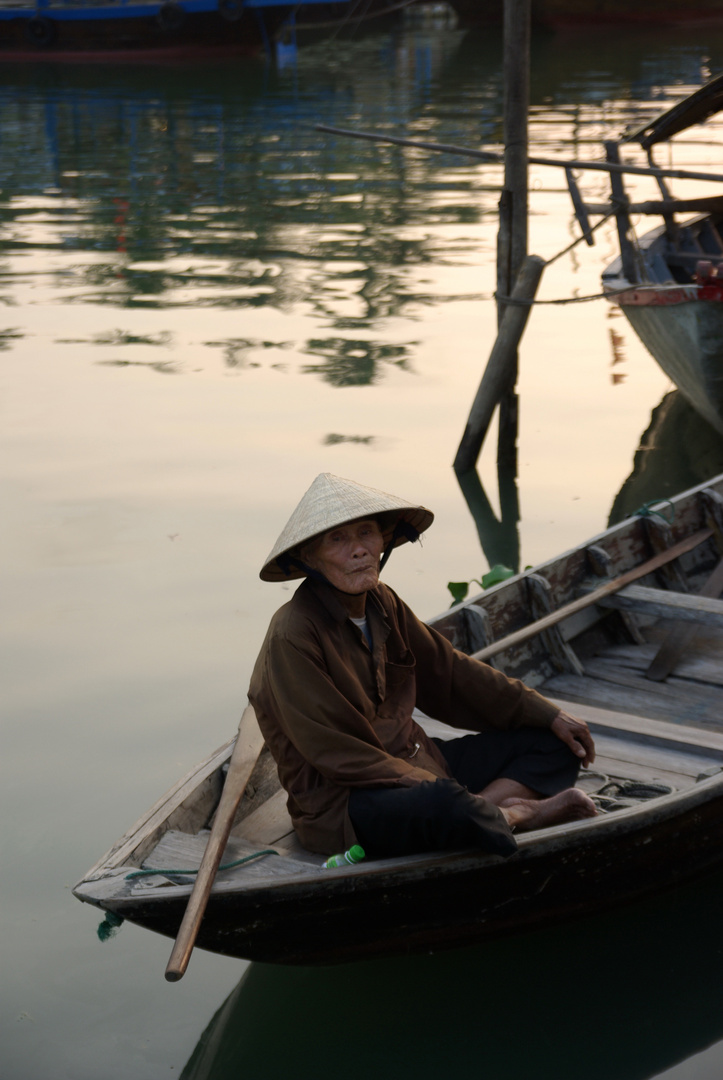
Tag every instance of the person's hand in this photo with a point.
(575, 734)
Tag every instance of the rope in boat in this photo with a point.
(646, 510)
(609, 294)
(146, 872)
(563, 300)
(112, 922)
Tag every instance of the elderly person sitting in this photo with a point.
(344, 664)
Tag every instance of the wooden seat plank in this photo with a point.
(628, 725)
(659, 603)
(625, 699)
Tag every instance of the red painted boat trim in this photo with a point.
(667, 297)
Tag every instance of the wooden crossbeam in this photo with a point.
(666, 604)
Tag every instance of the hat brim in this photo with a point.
(377, 505)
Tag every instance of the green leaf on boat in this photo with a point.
(496, 574)
(459, 590)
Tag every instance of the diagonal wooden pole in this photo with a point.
(532, 629)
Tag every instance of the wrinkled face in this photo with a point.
(348, 556)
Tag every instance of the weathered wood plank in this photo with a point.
(625, 699)
(666, 604)
(630, 725)
(680, 693)
(680, 636)
(652, 757)
(148, 829)
(181, 851)
(697, 666)
(688, 544)
(268, 823)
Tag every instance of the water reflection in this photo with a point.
(621, 996)
(355, 363)
(677, 451)
(499, 537)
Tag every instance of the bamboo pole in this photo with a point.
(498, 159)
(512, 245)
(501, 364)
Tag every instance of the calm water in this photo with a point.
(205, 303)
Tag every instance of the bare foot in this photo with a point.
(526, 814)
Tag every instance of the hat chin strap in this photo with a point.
(402, 528)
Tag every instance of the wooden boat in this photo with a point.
(667, 283)
(585, 629)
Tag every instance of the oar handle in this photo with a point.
(249, 744)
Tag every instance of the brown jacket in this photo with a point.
(337, 715)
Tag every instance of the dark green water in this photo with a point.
(205, 303)
(627, 995)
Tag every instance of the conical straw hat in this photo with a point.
(332, 501)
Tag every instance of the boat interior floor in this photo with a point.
(614, 678)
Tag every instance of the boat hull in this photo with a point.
(679, 320)
(686, 339)
(445, 901)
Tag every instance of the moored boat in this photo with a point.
(669, 283)
(583, 628)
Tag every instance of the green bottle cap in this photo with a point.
(356, 853)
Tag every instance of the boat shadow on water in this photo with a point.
(624, 995)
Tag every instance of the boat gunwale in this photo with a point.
(568, 837)
(622, 530)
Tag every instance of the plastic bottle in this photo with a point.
(355, 854)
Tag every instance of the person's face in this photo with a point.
(348, 556)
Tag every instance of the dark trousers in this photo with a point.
(443, 815)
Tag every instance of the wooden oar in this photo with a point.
(249, 744)
(663, 557)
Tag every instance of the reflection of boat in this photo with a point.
(667, 284)
(56, 26)
(655, 946)
(283, 906)
(561, 13)
(678, 450)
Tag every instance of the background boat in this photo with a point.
(666, 282)
(52, 27)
